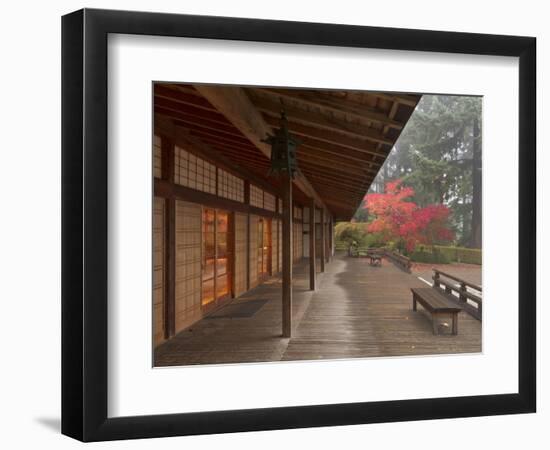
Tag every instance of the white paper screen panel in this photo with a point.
(188, 263)
(158, 270)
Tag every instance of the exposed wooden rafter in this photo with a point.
(330, 137)
(320, 121)
(345, 135)
(326, 103)
(235, 105)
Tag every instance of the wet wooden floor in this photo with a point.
(357, 311)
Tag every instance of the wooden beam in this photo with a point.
(194, 119)
(338, 150)
(177, 95)
(351, 180)
(190, 110)
(312, 259)
(332, 184)
(330, 139)
(229, 140)
(322, 255)
(325, 102)
(244, 157)
(187, 88)
(287, 256)
(320, 159)
(235, 105)
(345, 197)
(320, 121)
(164, 189)
(404, 99)
(340, 204)
(225, 133)
(393, 111)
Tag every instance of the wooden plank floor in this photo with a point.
(357, 311)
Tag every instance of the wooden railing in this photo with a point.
(460, 291)
(400, 260)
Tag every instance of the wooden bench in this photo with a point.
(437, 305)
(375, 258)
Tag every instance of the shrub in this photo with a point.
(341, 245)
(346, 233)
(423, 256)
(461, 254)
(469, 255)
(373, 240)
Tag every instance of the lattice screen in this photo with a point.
(253, 251)
(256, 196)
(241, 233)
(280, 244)
(274, 246)
(158, 270)
(269, 201)
(188, 263)
(297, 249)
(230, 186)
(194, 172)
(157, 157)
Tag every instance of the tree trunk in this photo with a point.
(475, 229)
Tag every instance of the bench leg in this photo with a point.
(414, 303)
(455, 323)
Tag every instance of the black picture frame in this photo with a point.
(84, 224)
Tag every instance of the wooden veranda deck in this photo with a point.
(357, 311)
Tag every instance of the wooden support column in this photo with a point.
(332, 236)
(279, 237)
(287, 255)
(247, 201)
(329, 240)
(323, 240)
(312, 268)
(169, 241)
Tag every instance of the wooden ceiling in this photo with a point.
(345, 135)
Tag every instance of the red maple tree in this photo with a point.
(398, 218)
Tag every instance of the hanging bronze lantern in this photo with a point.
(283, 150)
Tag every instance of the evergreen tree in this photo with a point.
(439, 155)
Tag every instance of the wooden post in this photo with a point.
(247, 202)
(333, 235)
(330, 230)
(436, 278)
(287, 254)
(327, 240)
(462, 293)
(323, 238)
(167, 147)
(312, 268)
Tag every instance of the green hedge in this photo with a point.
(455, 254)
(461, 254)
(429, 257)
(423, 253)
